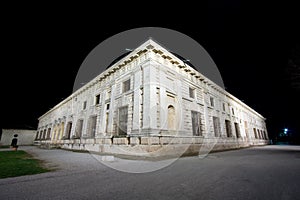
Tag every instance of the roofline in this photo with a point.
(144, 45)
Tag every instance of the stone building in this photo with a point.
(25, 136)
(148, 100)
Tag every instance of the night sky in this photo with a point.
(255, 47)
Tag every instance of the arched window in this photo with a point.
(171, 118)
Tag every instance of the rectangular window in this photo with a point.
(78, 129)
(228, 128)
(41, 134)
(44, 134)
(36, 136)
(92, 126)
(107, 106)
(192, 93)
(255, 134)
(232, 111)
(258, 134)
(68, 131)
(212, 101)
(84, 105)
(237, 130)
(97, 99)
(224, 108)
(262, 134)
(217, 128)
(123, 118)
(48, 133)
(196, 123)
(126, 85)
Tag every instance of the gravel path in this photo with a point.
(269, 172)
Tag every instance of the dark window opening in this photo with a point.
(258, 134)
(196, 123)
(126, 85)
(237, 130)
(228, 128)
(48, 133)
(68, 131)
(97, 100)
(255, 134)
(192, 93)
(212, 102)
(84, 105)
(37, 135)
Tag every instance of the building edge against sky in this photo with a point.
(147, 101)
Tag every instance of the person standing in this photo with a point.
(14, 142)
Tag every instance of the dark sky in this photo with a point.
(255, 47)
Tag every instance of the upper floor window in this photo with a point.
(84, 105)
(97, 99)
(192, 93)
(126, 85)
(224, 108)
(212, 101)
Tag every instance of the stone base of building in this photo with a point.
(151, 146)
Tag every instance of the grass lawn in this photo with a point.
(19, 163)
(4, 146)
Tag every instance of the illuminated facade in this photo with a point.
(149, 99)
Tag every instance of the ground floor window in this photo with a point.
(69, 128)
(217, 128)
(255, 134)
(237, 130)
(123, 119)
(44, 134)
(78, 129)
(196, 123)
(48, 133)
(228, 128)
(258, 133)
(92, 126)
(37, 135)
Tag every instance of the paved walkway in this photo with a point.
(269, 172)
